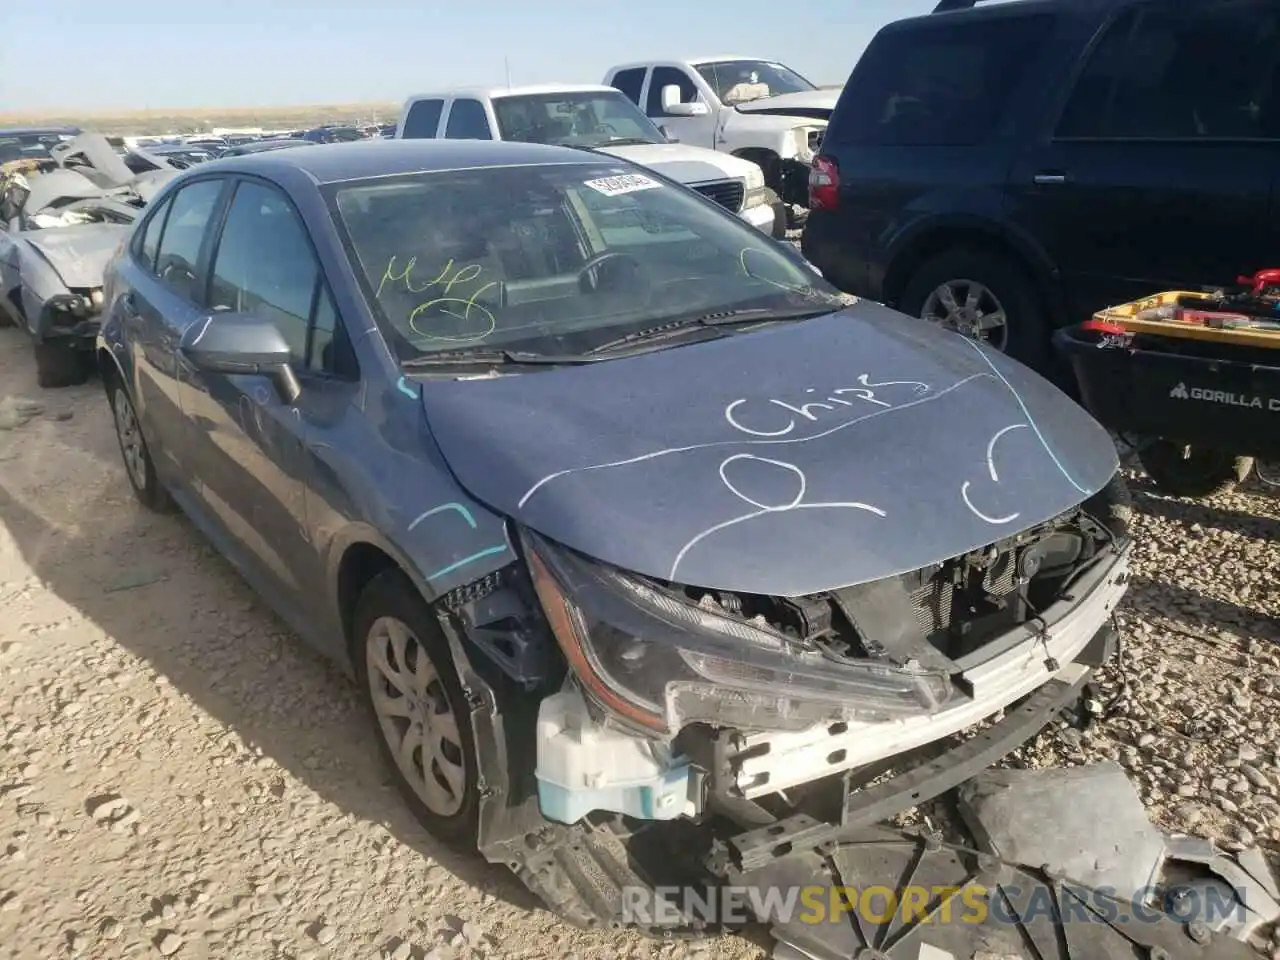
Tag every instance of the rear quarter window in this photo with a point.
(937, 83)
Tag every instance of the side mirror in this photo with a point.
(688, 109)
(237, 343)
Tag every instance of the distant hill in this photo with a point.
(203, 119)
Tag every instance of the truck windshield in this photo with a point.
(587, 118)
(554, 259)
(741, 81)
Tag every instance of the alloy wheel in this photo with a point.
(969, 308)
(415, 716)
(132, 448)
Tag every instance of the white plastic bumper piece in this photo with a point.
(1003, 671)
(584, 766)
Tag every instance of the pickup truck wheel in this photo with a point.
(61, 363)
(1181, 470)
(981, 295)
(417, 706)
(138, 465)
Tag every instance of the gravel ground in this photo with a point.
(180, 776)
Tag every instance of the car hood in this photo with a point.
(78, 254)
(682, 163)
(786, 461)
(807, 100)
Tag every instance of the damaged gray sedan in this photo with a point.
(61, 219)
(645, 548)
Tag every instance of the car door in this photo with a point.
(1158, 170)
(696, 131)
(245, 439)
(156, 309)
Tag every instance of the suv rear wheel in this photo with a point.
(1181, 470)
(981, 295)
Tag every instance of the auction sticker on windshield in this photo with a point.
(625, 183)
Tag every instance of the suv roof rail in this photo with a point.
(946, 6)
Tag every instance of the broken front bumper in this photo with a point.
(995, 676)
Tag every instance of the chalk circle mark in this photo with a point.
(790, 468)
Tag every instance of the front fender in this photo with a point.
(777, 134)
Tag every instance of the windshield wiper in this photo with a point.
(453, 358)
(624, 142)
(723, 318)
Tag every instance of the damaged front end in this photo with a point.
(666, 731)
(757, 695)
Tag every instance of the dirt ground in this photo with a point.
(180, 776)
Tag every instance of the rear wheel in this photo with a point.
(138, 465)
(61, 363)
(1182, 470)
(984, 296)
(417, 706)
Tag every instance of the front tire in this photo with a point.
(60, 363)
(1181, 470)
(138, 465)
(417, 707)
(981, 295)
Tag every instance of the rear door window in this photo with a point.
(1142, 81)
(148, 238)
(422, 120)
(178, 255)
(467, 121)
(938, 84)
(630, 82)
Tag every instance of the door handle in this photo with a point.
(1046, 179)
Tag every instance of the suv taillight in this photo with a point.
(824, 184)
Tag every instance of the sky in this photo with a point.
(153, 54)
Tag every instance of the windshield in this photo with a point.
(741, 81)
(554, 259)
(584, 119)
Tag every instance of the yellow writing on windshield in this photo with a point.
(466, 309)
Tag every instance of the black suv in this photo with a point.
(1011, 168)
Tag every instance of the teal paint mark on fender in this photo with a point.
(459, 508)
(487, 552)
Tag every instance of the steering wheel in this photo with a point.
(608, 128)
(589, 273)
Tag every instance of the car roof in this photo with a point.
(494, 93)
(365, 159)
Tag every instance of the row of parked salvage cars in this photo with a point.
(61, 219)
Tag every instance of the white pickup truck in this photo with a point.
(760, 110)
(601, 118)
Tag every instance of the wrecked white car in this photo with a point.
(61, 219)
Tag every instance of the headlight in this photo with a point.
(657, 661)
(754, 197)
(806, 141)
